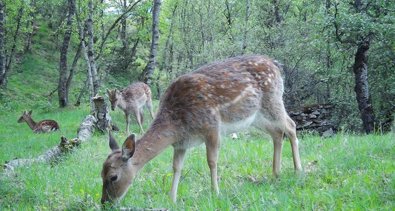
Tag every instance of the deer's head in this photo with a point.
(113, 96)
(118, 171)
(25, 115)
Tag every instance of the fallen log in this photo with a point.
(50, 155)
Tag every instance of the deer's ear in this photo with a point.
(108, 91)
(30, 112)
(112, 142)
(128, 147)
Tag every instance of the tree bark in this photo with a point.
(101, 114)
(149, 69)
(2, 51)
(361, 89)
(91, 54)
(62, 86)
(123, 27)
(73, 66)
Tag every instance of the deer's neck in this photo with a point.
(122, 103)
(154, 141)
(32, 124)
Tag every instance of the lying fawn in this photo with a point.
(132, 100)
(197, 108)
(43, 126)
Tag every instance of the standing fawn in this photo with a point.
(132, 100)
(43, 126)
(197, 108)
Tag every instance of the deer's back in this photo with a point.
(224, 92)
(137, 92)
(46, 126)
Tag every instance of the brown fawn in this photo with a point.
(132, 100)
(43, 126)
(198, 107)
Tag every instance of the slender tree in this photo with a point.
(9, 59)
(33, 25)
(2, 51)
(62, 85)
(149, 69)
(91, 54)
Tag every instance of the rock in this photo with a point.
(316, 113)
(328, 133)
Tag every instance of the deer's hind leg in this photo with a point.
(212, 147)
(275, 120)
(148, 104)
(277, 137)
(178, 161)
(138, 115)
(290, 131)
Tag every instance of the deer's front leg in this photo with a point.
(178, 161)
(212, 147)
(127, 123)
(138, 118)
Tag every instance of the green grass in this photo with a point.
(345, 172)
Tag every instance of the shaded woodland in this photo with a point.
(337, 53)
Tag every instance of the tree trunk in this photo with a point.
(149, 69)
(62, 86)
(101, 114)
(360, 69)
(244, 46)
(277, 14)
(73, 66)
(123, 27)
(8, 61)
(33, 26)
(2, 52)
(91, 57)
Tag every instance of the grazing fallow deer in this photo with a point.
(198, 107)
(43, 126)
(132, 100)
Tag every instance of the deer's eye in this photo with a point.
(114, 178)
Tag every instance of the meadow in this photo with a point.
(344, 172)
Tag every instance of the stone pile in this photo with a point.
(315, 118)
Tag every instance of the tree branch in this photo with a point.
(113, 26)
